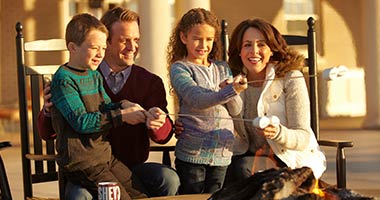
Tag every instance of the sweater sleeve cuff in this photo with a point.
(115, 117)
(46, 113)
(163, 134)
(228, 91)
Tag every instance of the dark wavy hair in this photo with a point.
(283, 57)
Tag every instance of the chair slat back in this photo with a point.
(31, 79)
(46, 45)
(310, 41)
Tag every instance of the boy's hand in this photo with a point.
(155, 118)
(126, 104)
(133, 114)
(47, 96)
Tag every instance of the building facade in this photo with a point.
(347, 35)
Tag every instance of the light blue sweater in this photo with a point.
(205, 112)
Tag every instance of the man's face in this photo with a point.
(123, 45)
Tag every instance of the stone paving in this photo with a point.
(363, 161)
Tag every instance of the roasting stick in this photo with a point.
(272, 79)
(203, 116)
(232, 118)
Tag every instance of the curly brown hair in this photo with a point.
(176, 50)
(285, 58)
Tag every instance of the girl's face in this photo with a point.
(198, 42)
(255, 53)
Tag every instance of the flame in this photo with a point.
(316, 190)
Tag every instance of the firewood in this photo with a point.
(268, 184)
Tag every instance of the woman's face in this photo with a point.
(255, 53)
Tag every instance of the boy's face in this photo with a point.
(91, 52)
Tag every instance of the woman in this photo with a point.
(276, 88)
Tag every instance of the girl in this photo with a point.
(207, 96)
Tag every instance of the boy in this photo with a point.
(83, 113)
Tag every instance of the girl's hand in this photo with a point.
(240, 83)
(178, 128)
(225, 83)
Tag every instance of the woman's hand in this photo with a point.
(269, 131)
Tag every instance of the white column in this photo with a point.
(182, 6)
(155, 27)
(371, 39)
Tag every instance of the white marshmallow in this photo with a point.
(334, 72)
(274, 120)
(261, 122)
(264, 121)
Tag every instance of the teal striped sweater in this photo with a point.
(81, 116)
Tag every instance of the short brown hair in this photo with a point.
(118, 14)
(79, 27)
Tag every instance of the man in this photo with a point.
(125, 80)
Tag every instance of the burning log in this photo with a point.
(284, 183)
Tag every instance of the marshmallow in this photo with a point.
(261, 122)
(274, 120)
(334, 72)
(264, 121)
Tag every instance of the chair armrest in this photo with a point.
(165, 150)
(162, 148)
(340, 158)
(336, 143)
(5, 144)
(48, 157)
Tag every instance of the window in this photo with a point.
(296, 13)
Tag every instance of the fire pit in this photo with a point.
(286, 184)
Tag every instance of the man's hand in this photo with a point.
(133, 114)
(47, 96)
(178, 128)
(155, 118)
